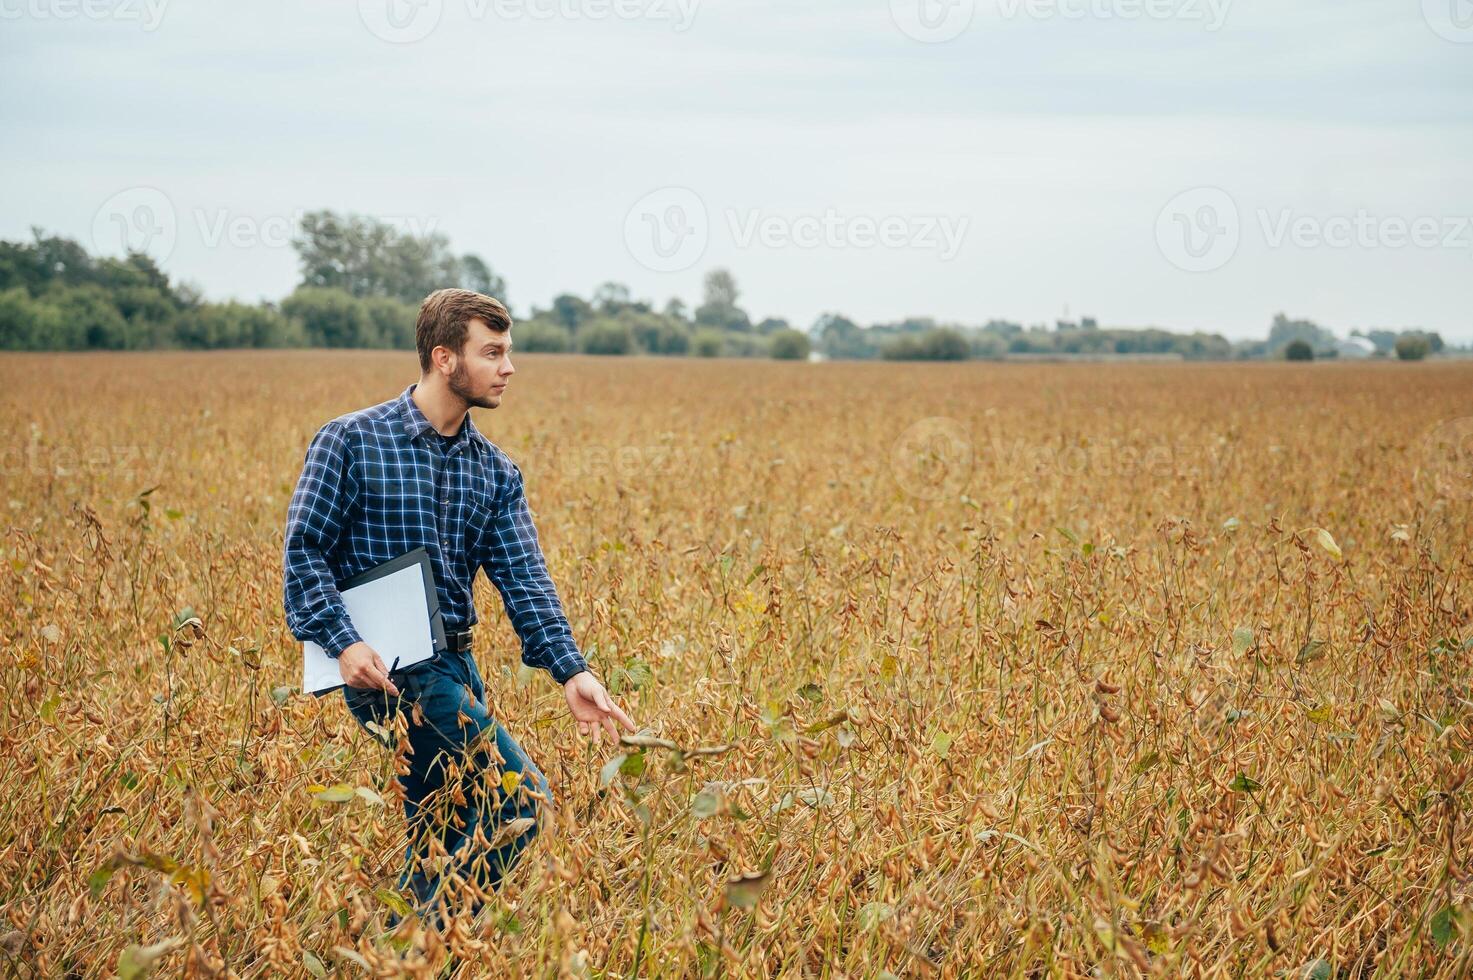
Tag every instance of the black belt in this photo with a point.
(458, 640)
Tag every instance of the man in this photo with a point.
(414, 472)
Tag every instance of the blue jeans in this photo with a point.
(456, 727)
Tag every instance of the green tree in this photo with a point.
(606, 337)
(29, 324)
(789, 345)
(706, 342)
(363, 257)
(940, 344)
(720, 309)
(570, 311)
(1283, 330)
(1298, 349)
(331, 318)
(217, 325)
(393, 322)
(542, 335)
(1412, 347)
(840, 337)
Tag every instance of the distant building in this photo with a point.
(1354, 348)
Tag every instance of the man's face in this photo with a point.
(483, 369)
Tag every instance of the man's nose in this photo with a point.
(507, 369)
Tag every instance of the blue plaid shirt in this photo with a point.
(380, 482)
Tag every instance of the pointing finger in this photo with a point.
(624, 719)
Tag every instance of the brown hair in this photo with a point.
(444, 319)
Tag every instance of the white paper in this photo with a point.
(391, 614)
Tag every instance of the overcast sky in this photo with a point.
(1193, 164)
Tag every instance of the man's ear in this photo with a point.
(443, 359)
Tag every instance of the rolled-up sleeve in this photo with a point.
(514, 562)
(318, 512)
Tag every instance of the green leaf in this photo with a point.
(98, 880)
(340, 793)
(1245, 783)
(611, 769)
(1321, 715)
(633, 764)
(1231, 525)
(941, 744)
(633, 673)
(815, 796)
(280, 693)
(705, 803)
(1317, 970)
(312, 964)
(744, 890)
(1311, 651)
(755, 572)
(394, 902)
(810, 692)
(137, 962)
(48, 709)
(1147, 762)
(1242, 640)
(1442, 925)
(872, 914)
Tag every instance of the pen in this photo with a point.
(396, 665)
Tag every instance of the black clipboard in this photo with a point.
(421, 557)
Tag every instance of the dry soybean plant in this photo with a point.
(943, 670)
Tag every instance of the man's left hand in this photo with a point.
(594, 710)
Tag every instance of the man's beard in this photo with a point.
(460, 385)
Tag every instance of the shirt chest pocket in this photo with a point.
(480, 516)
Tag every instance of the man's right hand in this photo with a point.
(362, 667)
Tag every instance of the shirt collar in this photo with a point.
(416, 425)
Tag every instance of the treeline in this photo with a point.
(362, 281)
(611, 322)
